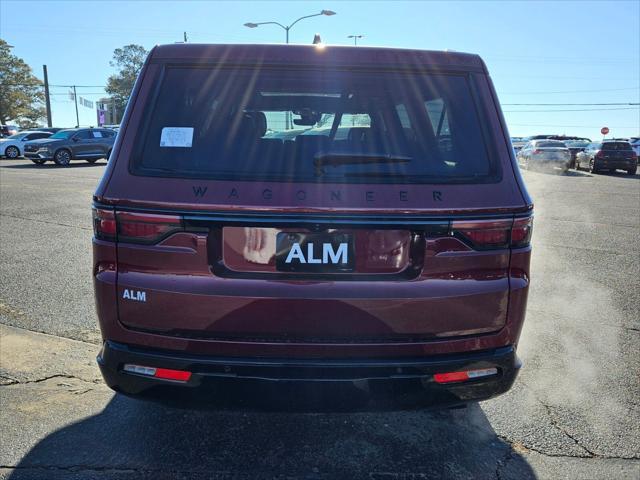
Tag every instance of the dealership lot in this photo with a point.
(573, 413)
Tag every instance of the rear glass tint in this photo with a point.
(551, 145)
(313, 126)
(616, 146)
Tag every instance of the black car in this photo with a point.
(608, 155)
(90, 144)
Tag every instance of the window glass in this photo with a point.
(83, 135)
(616, 146)
(314, 126)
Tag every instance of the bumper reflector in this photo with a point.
(163, 373)
(462, 376)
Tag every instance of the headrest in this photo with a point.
(260, 120)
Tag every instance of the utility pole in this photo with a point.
(46, 96)
(185, 37)
(75, 98)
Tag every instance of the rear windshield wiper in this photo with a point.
(337, 159)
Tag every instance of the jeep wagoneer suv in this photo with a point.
(275, 217)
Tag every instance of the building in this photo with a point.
(106, 112)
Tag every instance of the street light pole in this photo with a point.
(286, 28)
(355, 38)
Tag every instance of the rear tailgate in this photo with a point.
(212, 280)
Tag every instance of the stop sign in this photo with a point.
(604, 130)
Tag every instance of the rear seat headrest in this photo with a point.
(259, 120)
(261, 123)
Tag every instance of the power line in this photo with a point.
(568, 104)
(571, 91)
(571, 110)
(567, 126)
(11, 84)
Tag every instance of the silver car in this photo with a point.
(549, 155)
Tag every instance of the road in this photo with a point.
(573, 413)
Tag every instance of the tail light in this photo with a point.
(145, 227)
(133, 227)
(537, 150)
(104, 224)
(495, 234)
(600, 154)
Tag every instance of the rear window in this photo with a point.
(550, 145)
(313, 126)
(616, 146)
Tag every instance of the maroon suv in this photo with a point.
(275, 217)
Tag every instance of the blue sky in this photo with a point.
(537, 52)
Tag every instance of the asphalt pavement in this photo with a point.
(573, 412)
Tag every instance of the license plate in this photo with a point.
(315, 252)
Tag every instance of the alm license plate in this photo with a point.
(315, 252)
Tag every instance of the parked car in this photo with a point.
(635, 145)
(549, 155)
(13, 146)
(8, 130)
(379, 263)
(50, 129)
(518, 143)
(575, 147)
(609, 155)
(562, 138)
(90, 144)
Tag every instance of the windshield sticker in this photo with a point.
(176, 137)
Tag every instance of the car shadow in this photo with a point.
(31, 165)
(558, 173)
(621, 174)
(576, 173)
(136, 439)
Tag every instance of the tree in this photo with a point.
(128, 60)
(21, 93)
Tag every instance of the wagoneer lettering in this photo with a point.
(346, 220)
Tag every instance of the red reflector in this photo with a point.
(451, 377)
(168, 374)
(462, 376)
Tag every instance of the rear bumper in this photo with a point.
(308, 384)
(615, 164)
